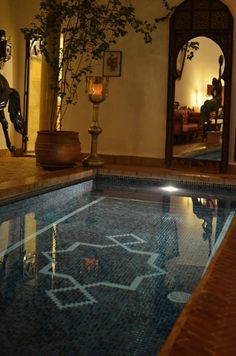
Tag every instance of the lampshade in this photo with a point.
(209, 89)
(209, 93)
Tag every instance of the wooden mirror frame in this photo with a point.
(211, 19)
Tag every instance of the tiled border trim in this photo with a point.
(222, 179)
(204, 186)
(206, 325)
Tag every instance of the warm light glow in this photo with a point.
(97, 89)
(170, 189)
(90, 263)
(198, 99)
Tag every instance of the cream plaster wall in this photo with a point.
(133, 117)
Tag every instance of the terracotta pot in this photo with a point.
(57, 149)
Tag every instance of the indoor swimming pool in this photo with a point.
(105, 267)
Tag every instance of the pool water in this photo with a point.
(94, 269)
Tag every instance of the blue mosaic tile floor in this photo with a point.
(99, 273)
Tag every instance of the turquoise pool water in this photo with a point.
(104, 267)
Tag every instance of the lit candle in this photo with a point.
(97, 89)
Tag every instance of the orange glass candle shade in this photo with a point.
(97, 89)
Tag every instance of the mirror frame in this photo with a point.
(211, 19)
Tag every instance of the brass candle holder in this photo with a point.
(96, 89)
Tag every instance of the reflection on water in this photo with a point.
(18, 266)
(205, 221)
(205, 209)
(168, 232)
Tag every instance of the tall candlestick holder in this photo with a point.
(96, 89)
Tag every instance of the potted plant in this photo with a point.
(73, 34)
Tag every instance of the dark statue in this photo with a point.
(9, 96)
(210, 108)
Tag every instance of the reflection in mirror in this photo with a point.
(186, 52)
(199, 101)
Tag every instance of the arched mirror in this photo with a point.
(199, 84)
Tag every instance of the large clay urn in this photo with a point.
(57, 149)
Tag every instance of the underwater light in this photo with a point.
(169, 188)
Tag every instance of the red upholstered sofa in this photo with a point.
(186, 125)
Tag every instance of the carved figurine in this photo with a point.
(9, 96)
(210, 108)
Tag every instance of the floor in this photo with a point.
(197, 146)
(185, 149)
(207, 325)
(20, 176)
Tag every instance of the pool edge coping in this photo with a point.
(34, 185)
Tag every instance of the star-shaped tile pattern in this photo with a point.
(86, 265)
